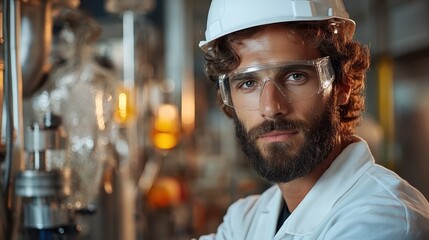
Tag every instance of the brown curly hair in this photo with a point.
(349, 58)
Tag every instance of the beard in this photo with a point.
(279, 164)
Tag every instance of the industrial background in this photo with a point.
(110, 125)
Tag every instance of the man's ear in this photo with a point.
(344, 94)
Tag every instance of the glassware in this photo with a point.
(81, 91)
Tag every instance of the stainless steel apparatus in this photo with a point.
(44, 190)
(26, 40)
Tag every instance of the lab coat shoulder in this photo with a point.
(381, 205)
(240, 220)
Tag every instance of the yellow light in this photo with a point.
(166, 128)
(99, 112)
(122, 105)
(125, 106)
(164, 141)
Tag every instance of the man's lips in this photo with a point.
(278, 135)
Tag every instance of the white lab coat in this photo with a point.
(354, 199)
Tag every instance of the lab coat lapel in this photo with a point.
(334, 183)
(267, 221)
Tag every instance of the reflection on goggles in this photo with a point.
(296, 81)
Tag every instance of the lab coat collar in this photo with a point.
(353, 161)
(266, 222)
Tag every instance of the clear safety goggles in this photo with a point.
(295, 81)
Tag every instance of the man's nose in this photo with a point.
(272, 101)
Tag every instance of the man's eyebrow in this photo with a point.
(243, 76)
(290, 68)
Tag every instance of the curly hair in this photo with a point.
(349, 58)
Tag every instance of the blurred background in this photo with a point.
(110, 129)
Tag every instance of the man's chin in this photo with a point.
(276, 148)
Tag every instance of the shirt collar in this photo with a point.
(353, 161)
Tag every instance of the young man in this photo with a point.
(292, 79)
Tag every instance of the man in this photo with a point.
(292, 79)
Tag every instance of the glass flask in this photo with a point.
(79, 89)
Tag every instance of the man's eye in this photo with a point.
(246, 85)
(295, 77)
(249, 84)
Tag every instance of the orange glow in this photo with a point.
(125, 106)
(164, 140)
(188, 103)
(165, 192)
(166, 129)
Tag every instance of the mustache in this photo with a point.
(279, 124)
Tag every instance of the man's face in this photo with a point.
(283, 140)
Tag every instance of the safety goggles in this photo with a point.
(296, 81)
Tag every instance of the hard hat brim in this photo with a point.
(349, 28)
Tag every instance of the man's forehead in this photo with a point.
(291, 31)
(273, 44)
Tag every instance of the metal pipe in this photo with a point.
(36, 35)
(129, 47)
(11, 89)
(13, 110)
(25, 61)
(4, 214)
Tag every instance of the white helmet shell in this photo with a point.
(228, 16)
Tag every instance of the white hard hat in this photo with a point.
(227, 16)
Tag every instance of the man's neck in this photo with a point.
(295, 190)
